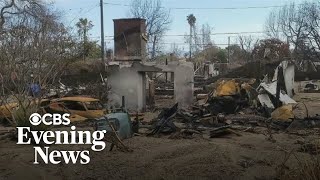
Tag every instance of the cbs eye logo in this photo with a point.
(49, 119)
(35, 119)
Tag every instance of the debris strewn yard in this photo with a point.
(147, 108)
(251, 155)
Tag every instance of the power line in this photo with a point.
(164, 43)
(222, 33)
(198, 44)
(180, 43)
(204, 8)
(212, 34)
(184, 43)
(89, 9)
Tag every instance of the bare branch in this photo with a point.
(157, 20)
(299, 26)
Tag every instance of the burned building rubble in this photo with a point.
(210, 97)
(131, 82)
(211, 100)
(158, 96)
(242, 101)
(133, 76)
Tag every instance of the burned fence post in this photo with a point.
(123, 105)
(166, 72)
(151, 93)
(280, 84)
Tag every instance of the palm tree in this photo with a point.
(192, 21)
(83, 28)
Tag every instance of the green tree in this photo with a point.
(222, 56)
(93, 50)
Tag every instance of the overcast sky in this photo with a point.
(221, 20)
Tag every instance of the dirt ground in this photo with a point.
(250, 156)
(308, 104)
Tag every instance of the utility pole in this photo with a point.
(190, 45)
(229, 49)
(102, 31)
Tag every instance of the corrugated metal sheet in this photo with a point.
(271, 88)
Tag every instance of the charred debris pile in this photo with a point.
(236, 105)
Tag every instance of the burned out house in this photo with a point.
(130, 81)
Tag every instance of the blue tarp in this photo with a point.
(35, 89)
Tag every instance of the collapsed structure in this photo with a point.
(220, 94)
(130, 80)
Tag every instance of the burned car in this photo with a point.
(311, 87)
(6, 109)
(83, 107)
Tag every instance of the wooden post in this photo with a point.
(166, 72)
(151, 93)
(280, 84)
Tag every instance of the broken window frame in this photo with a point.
(81, 104)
